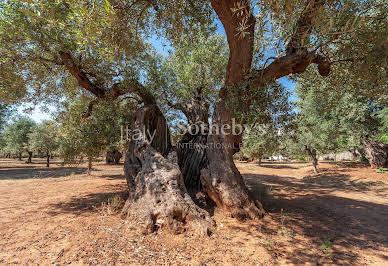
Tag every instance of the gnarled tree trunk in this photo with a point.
(358, 153)
(376, 153)
(313, 157)
(221, 180)
(157, 194)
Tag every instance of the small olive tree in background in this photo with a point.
(44, 139)
(91, 136)
(259, 142)
(16, 137)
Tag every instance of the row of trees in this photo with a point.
(70, 136)
(327, 118)
(25, 136)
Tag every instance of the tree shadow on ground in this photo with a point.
(28, 172)
(340, 181)
(112, 176)
(349, 164)
(277, 166)
(329, 180)
(79, 205)
(309, 211)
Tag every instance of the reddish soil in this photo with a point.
(61, 216)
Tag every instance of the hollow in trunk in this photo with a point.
(191, 149)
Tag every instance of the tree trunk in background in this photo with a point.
(376, 153)
(259, 161)
(90, 164)
(313, 157)
(113, 156)
(108, 157)
(157, 194)
(29, 157)
(117, 157)
(358, 153)
(20, 156)
(48, 159)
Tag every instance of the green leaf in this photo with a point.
(107, 6)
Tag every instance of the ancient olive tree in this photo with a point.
(51, 47)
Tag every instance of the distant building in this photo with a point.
(278, 158)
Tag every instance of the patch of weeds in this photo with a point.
(115, 201)
(72, 174)
(382, 170)
(327, 245)
(113, 205)
(286, 232)
(268, 244)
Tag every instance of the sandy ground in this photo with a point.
(62, 216)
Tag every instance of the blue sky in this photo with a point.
(36, 114)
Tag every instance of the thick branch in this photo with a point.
(286, 65)
(241, 49)
(90, 109)
(297, 58)
(80, 75)
(176, 106)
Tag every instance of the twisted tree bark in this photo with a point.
(157, 194)
(221, 180)
(376, 153)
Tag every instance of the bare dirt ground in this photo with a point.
(62, 216)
